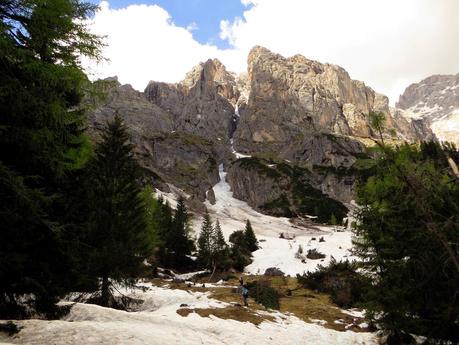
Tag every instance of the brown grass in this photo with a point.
(241, 314)
(303, 303)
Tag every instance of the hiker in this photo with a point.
(241, 281)
(245, 295)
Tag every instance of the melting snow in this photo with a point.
(157, 322)
(276, 252)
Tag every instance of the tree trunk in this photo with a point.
(105, 291)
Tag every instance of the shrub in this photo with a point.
(9, 327)
(340, 280)
(264, 294)
(314, 254)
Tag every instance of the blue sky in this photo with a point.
(206, 14)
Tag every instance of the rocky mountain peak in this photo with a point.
(297, 112)
(436, 101)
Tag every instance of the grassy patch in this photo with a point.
(294, 299)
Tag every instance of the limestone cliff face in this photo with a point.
(292, 97)
(202, 104)
(299, 118)
(281, 189)
(183, 159)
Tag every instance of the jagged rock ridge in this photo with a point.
(292, 111)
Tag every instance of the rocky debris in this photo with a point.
(412, 129)
(274, 272)
(434, 100)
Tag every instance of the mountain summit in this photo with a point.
(287, 121)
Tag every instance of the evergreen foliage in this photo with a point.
(220, 248)
(240, 254)
(41, 144)
(341, 280)
(205, 242)
(408, 235)
(250, 238)
(178, 241)
(263, 293)
(119, 234)
(213, 252)
(153, 215)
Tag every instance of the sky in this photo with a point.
(388, 44)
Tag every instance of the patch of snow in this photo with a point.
(188, 276)
(237, 154)
(275, 252)
(157, 322)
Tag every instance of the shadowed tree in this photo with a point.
(119, 232)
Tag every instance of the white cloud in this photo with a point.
(386, 43)
(144, 44)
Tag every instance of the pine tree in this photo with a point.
(119, 231)
(41, 143)
(250, 238)
(205, 242)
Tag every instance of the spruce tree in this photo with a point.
(205, 242)
(178, 241)
(219, 248)
(250, 238)
(41, 143)
(119, 233)
(240, 254)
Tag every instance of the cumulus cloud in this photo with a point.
(386, 43)
(144, 44)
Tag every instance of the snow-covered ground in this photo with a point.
(157, 322)
(275, 252)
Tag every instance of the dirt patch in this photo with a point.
(237, 313)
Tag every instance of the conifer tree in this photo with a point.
(178, 240)
(408, 227)
(240, 254)
(220, 248)
(205, 242)
(119, 233)
(250, 238)
(41, 144)
(153, 215)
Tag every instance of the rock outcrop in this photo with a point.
(290, 98)
(434, 100)
(202, 104)
(281, 189)
(302, 121)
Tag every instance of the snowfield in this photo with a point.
(157, 322)
(274, 252)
